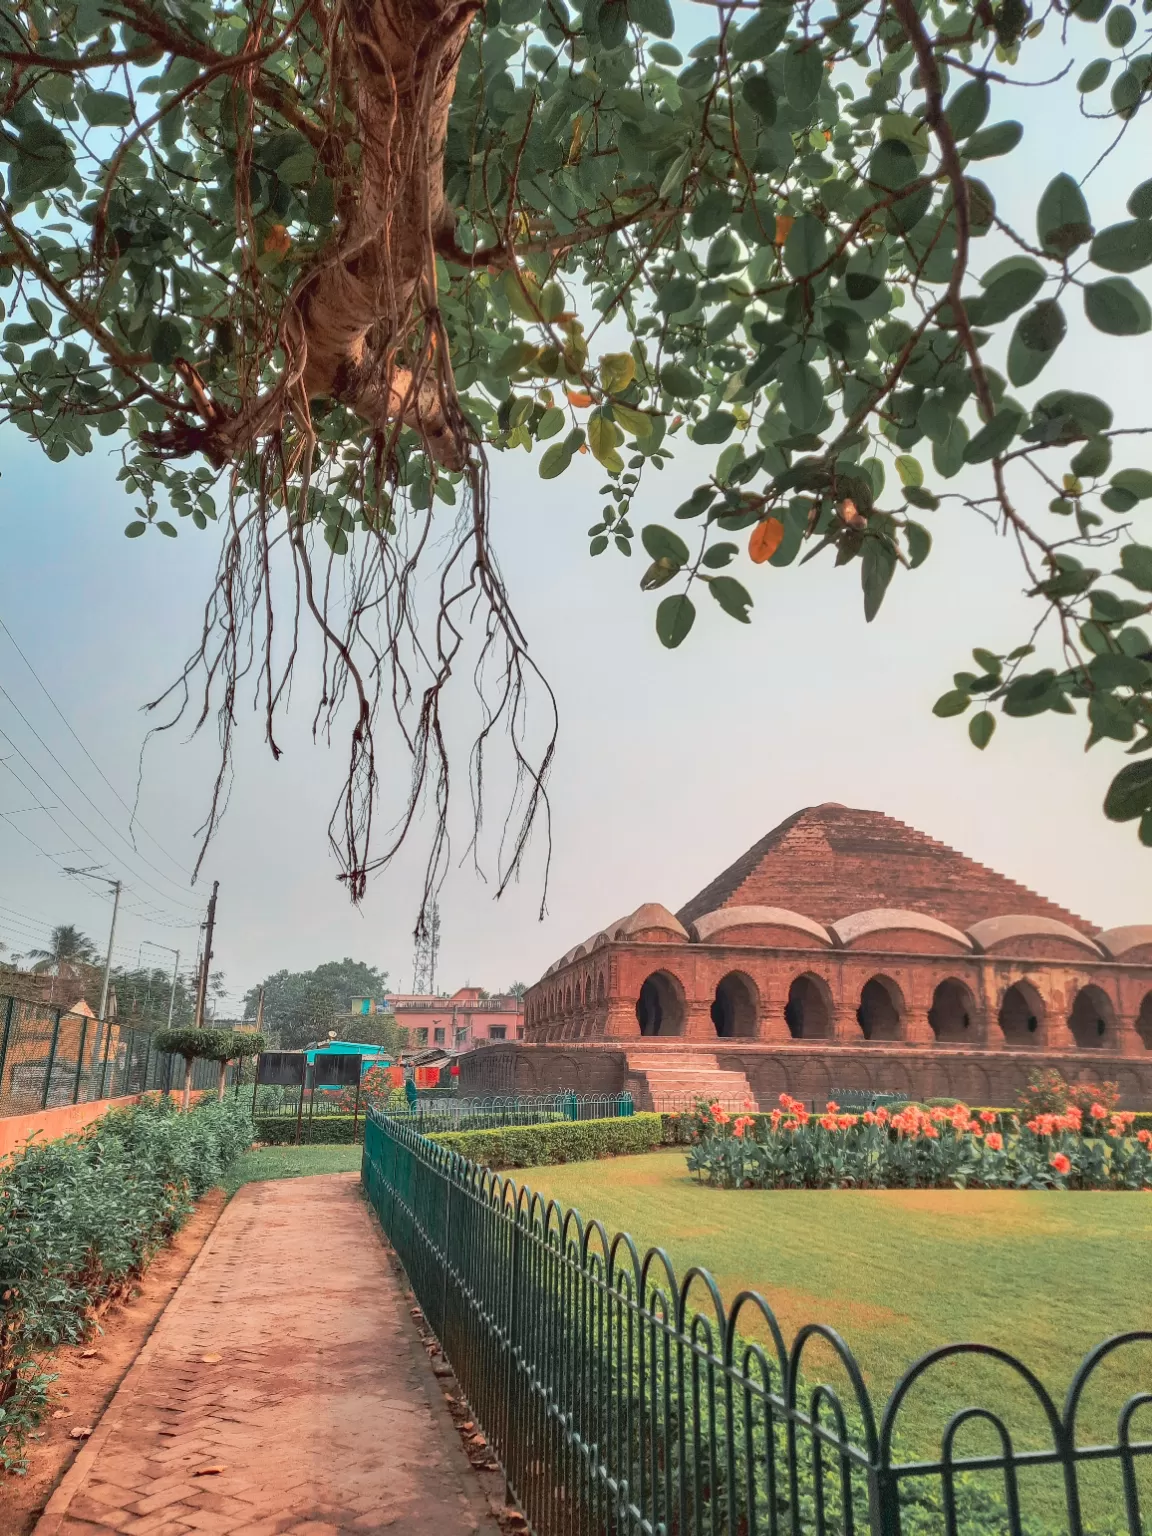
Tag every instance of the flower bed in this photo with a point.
(917, 1148)
(80, 1219)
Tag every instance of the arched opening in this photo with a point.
(952, 1011)
(1092, 1020)
(735, 1010)
(881, 1009)
(600, 993)
(807, 1012)
(660, 1006)
(1144, 1022)
(1022, 1016)
(587, 991)
(567, 999)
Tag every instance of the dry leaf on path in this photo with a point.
(211, 1359)
(80, 1432)
(212, 1471)
(86, 1354)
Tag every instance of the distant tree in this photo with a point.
(300, 1006)
(142, 996)
(68, 953)
(517, 989)
(379, 1029)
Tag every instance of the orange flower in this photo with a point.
(1144, 1136)
(831, 1107)
(994, 1141)
(846, 1122)
(988, 1116)
(1098, 1112)
(1061, 1164)
(827, 1123)
(869, 1117)
(742, 1124)
(881, 1116)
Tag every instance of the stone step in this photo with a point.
(659, 1077)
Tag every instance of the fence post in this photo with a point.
(51, 1062)
(147, 1059)
(80, 1061)
(103, 1094)
(9, 1010)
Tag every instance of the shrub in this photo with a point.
(1048, 1092)
(326, 1130)
(562, 1141)
(80, 1219)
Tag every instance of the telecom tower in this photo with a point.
(427, 951)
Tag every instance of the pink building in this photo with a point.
(469, 1017)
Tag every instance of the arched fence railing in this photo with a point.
(623, 1399)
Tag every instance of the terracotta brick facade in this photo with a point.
(843, 951)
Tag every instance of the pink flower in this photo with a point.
(988, 1116)
(994, 1141)
(1098, 1112)
(1061, 1164)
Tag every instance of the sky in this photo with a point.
(669, 764)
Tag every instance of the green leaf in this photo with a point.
(720, 555)
(1140, 203)
(1123, 247)
(134, 530)
(806, 246)
(674, 618)
(892, 166)
(1037, 335)
(599, 544)
(988, 661)
(1093, 459)
(662, 544)
(760, 96)
(999, 139)
(1126, 92)
(1137, 482)
(993, 439)
(1062, 219)
(877, 567)
(909, 470)
(677, 295)
(1008, 286)
(919, 542)
(653, 16)
(680, 382)
(106, 109)
(1118, 671)
(550, 423)
(801, 394)
(711, 213)
(1117, 307)
(167, 529)
(732, 597)
(954, 702)
(1031, 695)
(1136, 566)
(555, 461)
(639, 423)
(803, 74)
(1093, 76)
(602, 440)
(698, 503)
(968, 107)
(1130, 792)
(980, 728)
(716, 428)
(166, 341)
(1120, 26)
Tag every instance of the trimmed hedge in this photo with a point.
(325, 1130)
(563, 1141)
(80, 1220)
(679, 1126)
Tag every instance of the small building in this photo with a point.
(843, 951)
(468, 1018)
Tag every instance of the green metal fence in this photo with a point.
(49, 1058)
(625, 1400)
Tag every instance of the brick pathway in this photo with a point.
(321, 1410)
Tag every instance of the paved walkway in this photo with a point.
(283, 1390)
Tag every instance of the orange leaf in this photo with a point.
(578, 397)
(784, 223)
(765, 540)
(277, 242)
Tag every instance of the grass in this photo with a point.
(898, 1272)
(290, 1163)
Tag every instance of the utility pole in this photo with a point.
(108, 961)
(172, 990)
(102, 1027)
(206, 958)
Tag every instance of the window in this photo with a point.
(421, 1036)
(438, 1037)
(497, 1032)
(519, 1033)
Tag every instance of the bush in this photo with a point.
(80, 1220)
(562, 1141)
(325, 1130)
(1049, 1093)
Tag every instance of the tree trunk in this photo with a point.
(186, 1096)
(220, 1084)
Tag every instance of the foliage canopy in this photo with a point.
(302, 1006)
(308, 266)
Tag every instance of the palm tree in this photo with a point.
(70, 951)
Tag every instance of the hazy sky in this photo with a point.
(669, 763)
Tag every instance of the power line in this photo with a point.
(134, 821)
(164, 895)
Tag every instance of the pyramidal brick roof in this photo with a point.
(828, 861)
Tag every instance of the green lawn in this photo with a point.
(1045, 1276)
(290, 1163)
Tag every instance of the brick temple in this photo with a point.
(844, 950)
